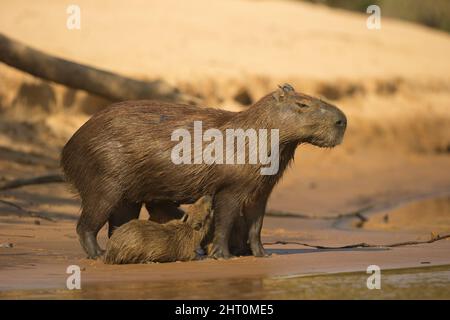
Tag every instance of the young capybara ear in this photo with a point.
(199, 212)
(205, 202)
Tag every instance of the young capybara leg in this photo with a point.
(226, 209)
(163, 211)
(254, 214)
(123, 213)
(94, 215)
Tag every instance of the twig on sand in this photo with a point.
(28, 212)
(16, 235)
(50, 178)
(358, 213)
(434, 238)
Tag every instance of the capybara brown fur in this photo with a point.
(121, 158)
(140, 241)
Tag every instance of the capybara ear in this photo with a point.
(283, 91)
(208, 201)
(204, 204)
(205, 200)
(287, 88)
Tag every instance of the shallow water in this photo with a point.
(418, 283)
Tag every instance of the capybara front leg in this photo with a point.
(239, 245)
(123, 213)
(254, 214)
(226, 210)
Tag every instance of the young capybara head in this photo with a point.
(200, 214)
(304, 118)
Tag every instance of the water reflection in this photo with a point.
(419, 283)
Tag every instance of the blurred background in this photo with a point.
(434, 13)
(393, 83)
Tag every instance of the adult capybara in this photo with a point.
(140, 241)
(123, 157)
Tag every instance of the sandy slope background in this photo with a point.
(393, 84)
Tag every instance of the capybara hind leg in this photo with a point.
(163, 211)
(225, 211)
(88, 241)
(123, 213)
(254, 214)
(93, 217)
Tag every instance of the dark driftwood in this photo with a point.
(99, 82)
(17, 183)
(26, 212)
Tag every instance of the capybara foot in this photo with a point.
(240, 252)
(89, 243)
(97, 254)
(258, 251)
(218, 253)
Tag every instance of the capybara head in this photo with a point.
(200, 214)
(304, 118)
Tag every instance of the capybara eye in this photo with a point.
(301, 105)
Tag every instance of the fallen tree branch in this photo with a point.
(51, 178)
(78, 76)
(28, 212)
(363, 244)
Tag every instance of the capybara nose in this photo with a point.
(341, 122)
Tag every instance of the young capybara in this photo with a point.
(122, 157)
(140, 241)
